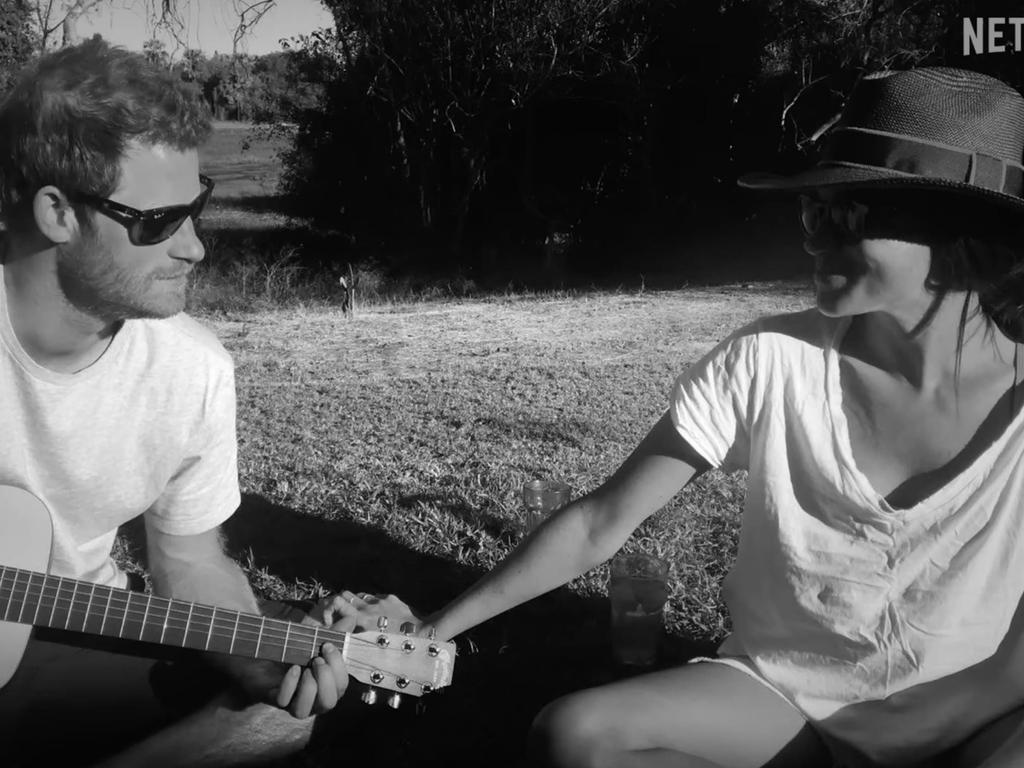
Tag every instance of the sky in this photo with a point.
(209, 24)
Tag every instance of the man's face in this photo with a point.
(104, 275)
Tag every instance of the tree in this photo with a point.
(17, 40)
(52, 16)
(441, 78)
(155, 51)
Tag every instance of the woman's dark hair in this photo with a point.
(70, 116)
(979, 251)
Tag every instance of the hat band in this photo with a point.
(917, 157)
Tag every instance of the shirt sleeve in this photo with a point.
(203, 492)
(712, 403)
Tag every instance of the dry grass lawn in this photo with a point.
(386, 452)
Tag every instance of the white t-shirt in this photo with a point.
(836, 597)
(148, 428)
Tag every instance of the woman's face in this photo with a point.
(869, 254)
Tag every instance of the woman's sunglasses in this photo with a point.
(872, 214)
(846, 215)
(153, 225)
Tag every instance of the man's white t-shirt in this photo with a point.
(835, 596)
(148, 428)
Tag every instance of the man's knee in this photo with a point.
(568, 733)
(258, 731)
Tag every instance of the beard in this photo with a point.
(95, 283)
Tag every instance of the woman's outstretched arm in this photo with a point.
(582, 534)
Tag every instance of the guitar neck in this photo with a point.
(29, 597)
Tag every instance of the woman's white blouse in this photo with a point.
(836, 597)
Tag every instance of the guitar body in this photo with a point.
(25, 537)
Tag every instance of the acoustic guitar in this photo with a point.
(29, 597)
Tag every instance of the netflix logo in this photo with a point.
(993, 34)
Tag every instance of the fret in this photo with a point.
(53, 608)
(188, 624)
(3, 577)
(234, 633)
(259, 636)
(174, 630)
(26, 596)
(246, 637)
(134, 622)
(220, 640)
(124, 614)
(209, 634)
(76, 612)
(47, 597)
(106, 609)
(163, 628)
(200, 626)
(17, 597)
(71, 604)
(39, 601)
(284, 646)
(154, 619)
(92, 617)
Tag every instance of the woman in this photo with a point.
(880, 563)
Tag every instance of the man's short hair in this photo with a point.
(70, 116)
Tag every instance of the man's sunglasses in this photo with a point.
(153, 225)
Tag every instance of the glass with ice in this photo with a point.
(541, 498)
(637, 590)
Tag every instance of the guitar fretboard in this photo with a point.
(29, 597)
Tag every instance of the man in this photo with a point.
(112, 405)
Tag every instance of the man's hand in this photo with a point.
(314, 689)
(363, 609)
(302, 691)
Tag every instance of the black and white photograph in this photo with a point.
(512, 383)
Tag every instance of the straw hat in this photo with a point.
(930, 128)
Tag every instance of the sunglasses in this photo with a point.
(153, 225)
(846, 215)
(871, 215)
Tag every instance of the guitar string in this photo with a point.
(351, 663)
(248, 627)
(124, 599)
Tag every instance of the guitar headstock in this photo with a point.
(399, 662)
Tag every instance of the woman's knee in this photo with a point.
(569, 733)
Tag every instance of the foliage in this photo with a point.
(465, 134)
(17, 40)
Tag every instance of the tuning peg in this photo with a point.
(370, 696)
(382, 623)
(394, 700)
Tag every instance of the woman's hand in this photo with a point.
(364, 610)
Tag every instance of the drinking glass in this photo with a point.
(541, 498)
(637, 590)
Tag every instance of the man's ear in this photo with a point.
(54, 215)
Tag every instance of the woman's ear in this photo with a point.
(54, 215)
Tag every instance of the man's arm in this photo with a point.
(196, 568)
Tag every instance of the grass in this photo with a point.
(385, 453)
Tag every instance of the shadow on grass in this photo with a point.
(566, 432)
(508, 668)
(501, 528)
